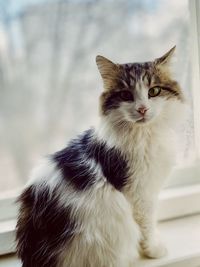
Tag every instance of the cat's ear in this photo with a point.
(109, 71)
(166, 58)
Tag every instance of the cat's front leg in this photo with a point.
(153, 247)
(150, 243)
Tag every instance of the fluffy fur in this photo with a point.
(94, 202)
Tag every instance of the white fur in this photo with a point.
(108, 234)
(45, 173)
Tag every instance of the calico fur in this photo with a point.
(94, 202)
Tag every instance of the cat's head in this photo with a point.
(138, 92)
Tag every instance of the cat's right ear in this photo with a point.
(166, 58)
(109, 71)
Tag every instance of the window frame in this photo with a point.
(194, 6)
(8, 205)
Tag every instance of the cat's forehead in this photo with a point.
(138, 69)
(138, 65)
(134, 72)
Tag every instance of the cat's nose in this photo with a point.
(142, 110)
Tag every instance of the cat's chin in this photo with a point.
(143, 121)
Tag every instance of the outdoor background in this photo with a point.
(49, 83)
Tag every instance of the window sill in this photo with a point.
(7, 236)
(182, 237)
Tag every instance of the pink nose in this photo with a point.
(142, 110)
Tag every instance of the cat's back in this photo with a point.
(71, 165)
(73, 201)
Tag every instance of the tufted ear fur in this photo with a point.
(109, 72)
(166, 58)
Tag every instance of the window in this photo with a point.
(184, 195)
(50, 84)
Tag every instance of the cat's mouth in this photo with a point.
(141, 120)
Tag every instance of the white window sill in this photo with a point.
(182, 238)
(7, 236)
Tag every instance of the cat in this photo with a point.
(93, 204)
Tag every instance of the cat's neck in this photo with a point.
(128, 136)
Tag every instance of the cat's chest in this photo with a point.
(151, 156)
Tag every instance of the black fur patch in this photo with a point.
(112, 101)
(43, 228)
(113, 165)
(73, 162)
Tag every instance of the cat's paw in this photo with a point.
(154, 250)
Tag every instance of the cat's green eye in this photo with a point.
(154, 91)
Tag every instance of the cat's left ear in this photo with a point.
(166, 58)
(109, 72)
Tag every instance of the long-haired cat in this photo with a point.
(93, 204)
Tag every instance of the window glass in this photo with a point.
(49, 83)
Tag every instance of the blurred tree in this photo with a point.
(47, 70)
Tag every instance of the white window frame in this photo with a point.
(195, 55)
(171, 199)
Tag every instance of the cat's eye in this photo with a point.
(126, 95)
(154, 91)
